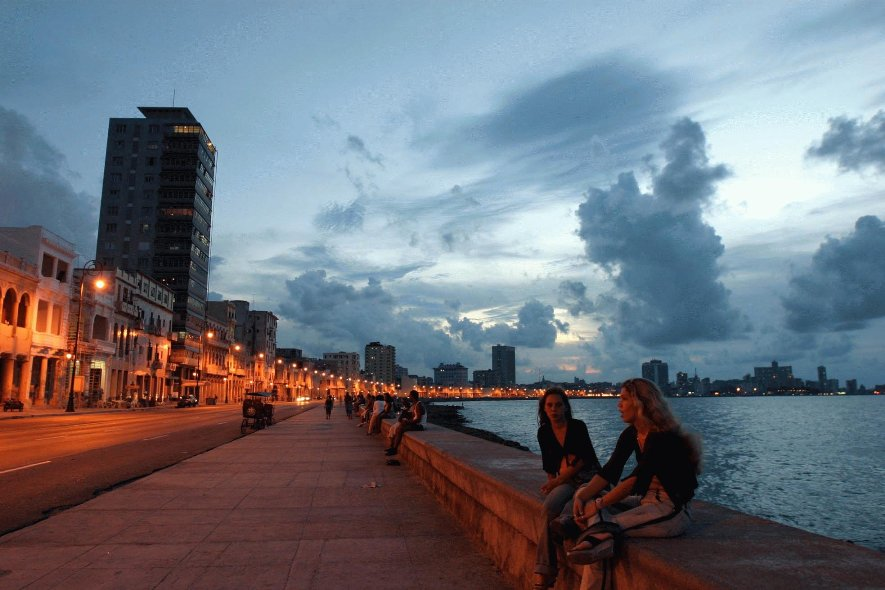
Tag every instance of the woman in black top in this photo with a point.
(661, 486)
(569, 459)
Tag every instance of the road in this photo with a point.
(49, 463)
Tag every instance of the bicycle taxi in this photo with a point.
(257, 411)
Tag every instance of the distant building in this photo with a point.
(504, 362)
(486, 378)
(658, 372)
(851, 387)
(774, 376)
(344, 364)
(822, 379)
(380, 362)
(450, 375)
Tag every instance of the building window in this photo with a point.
(46, 268)
(114, 193)
(61, 272)
(56, 319)
(148, 178)
(116, 177)
(120, 128)
(153, 128)
(145, 228)
(110, 228)
(113, 210)
(143, 262)
(42, 315)
(151, 161)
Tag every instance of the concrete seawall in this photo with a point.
(491, 490)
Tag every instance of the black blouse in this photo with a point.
(666, 455)
(577, 443)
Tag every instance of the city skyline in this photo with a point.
(570, 182)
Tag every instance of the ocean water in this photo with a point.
(816, 463)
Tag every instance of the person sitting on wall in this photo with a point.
(382, 403)
(366, 412)
(410, 420)
(569, 459)
(658, 490)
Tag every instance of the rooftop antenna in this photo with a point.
(173, 97)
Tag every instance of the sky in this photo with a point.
(595, 183)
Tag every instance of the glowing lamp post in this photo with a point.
(89, 269)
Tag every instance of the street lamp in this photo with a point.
(202, 364)
(89, 269)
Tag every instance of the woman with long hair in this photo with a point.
(658, 490)
(568, 458)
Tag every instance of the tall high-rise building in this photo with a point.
(822, 379)
(156, 211)
(504, 362)
(380, 362)
(657, 371)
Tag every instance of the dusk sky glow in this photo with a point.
(597, 184)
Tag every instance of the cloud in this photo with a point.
(836, 22)
(573, 295)
(34, 188)
(338, 217)
(578, 122)
(358, 146)
(321, 256)
(660, 253)
(536, 327)
(845, 287)
(215, 296)
(343, 316)
(853, 144)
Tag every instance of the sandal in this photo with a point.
(595, 544)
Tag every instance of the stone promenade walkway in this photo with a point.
(305, 504)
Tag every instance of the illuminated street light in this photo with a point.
(89, 269)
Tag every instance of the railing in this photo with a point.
(17, 263)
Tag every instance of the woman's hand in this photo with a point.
(588, 512)
(549, 486)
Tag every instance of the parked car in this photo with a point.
(188, 401)
(10, 405)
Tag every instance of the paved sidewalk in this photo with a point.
(305, 504)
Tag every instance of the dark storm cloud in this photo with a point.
(350, 317)
(536, 327)
(338, 217)
(661, 254)
(358, 146)
(566, 125)
(34, 188)
(845, 287)
(853, 144)
(573, 295)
